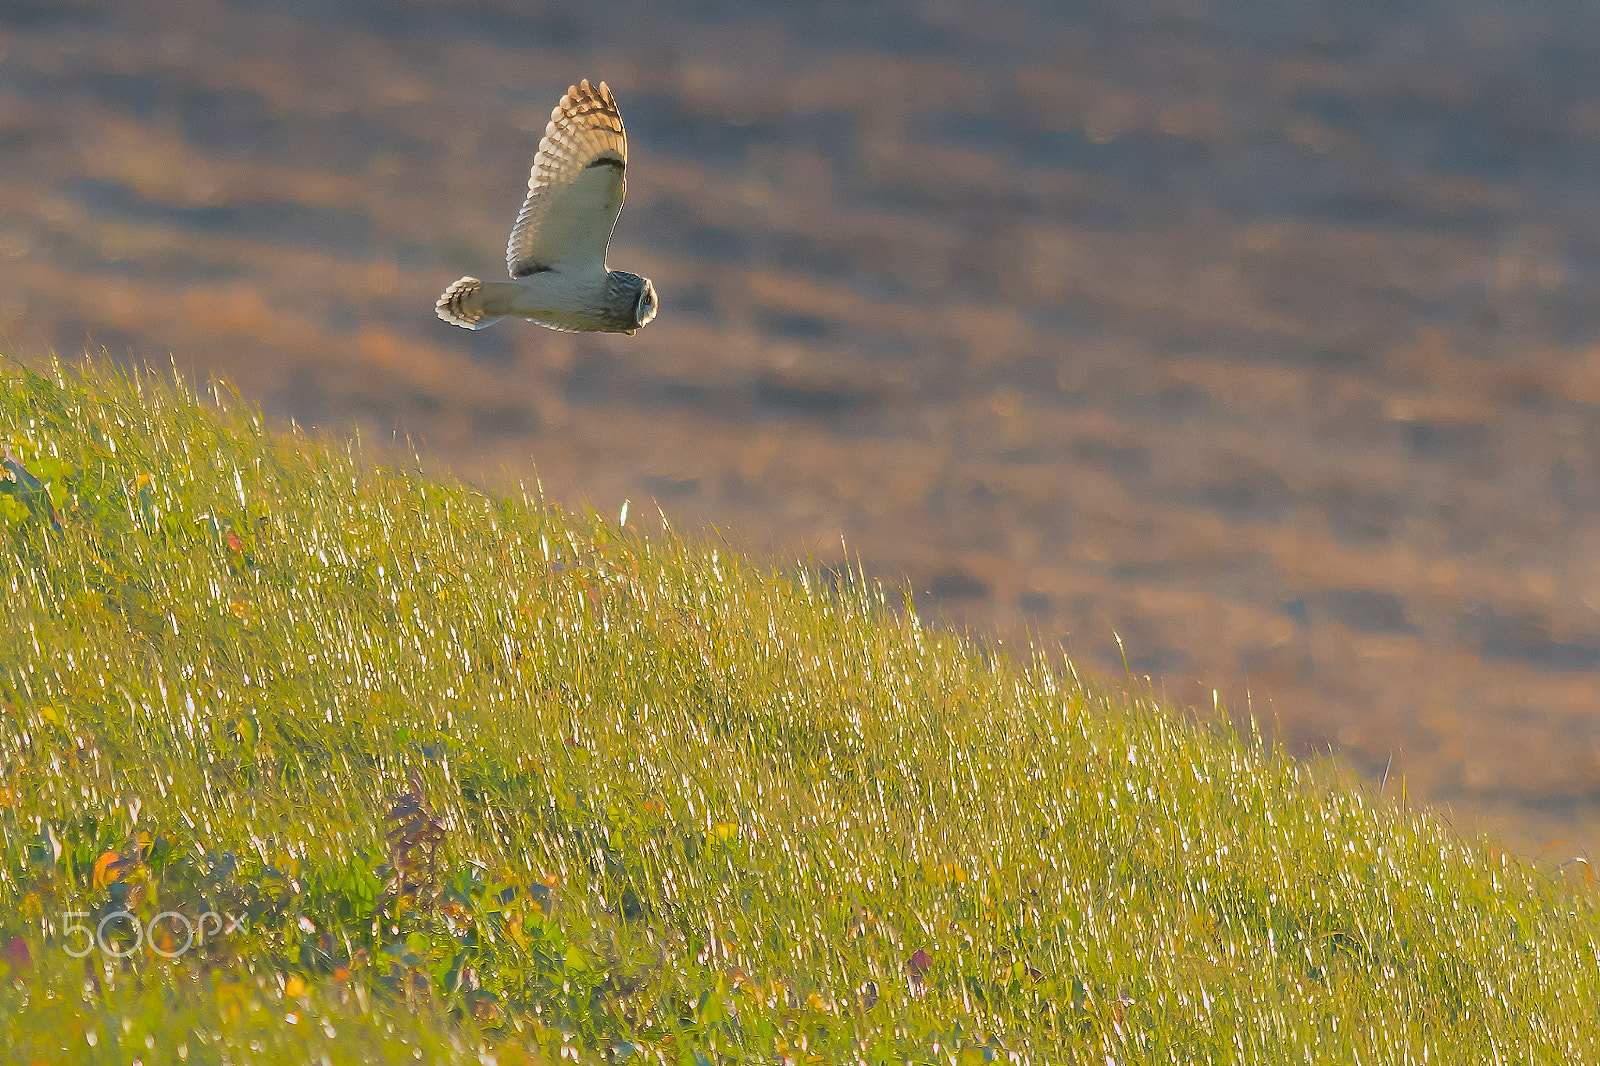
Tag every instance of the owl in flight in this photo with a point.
(557, 251)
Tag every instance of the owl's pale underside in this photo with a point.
(557, 251)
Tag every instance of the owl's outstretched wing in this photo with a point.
(575, 190)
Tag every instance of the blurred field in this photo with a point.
(1261, 337)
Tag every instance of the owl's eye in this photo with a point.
(645, 310)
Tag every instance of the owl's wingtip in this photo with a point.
(587, 88)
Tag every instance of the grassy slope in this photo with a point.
(690, 807)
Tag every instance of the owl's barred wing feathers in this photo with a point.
(575, 190)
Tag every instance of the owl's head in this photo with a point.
(630, 301)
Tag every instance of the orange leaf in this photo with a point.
(106, 869)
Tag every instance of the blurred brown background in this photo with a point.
(1262, 333)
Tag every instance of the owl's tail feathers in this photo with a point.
(466, 303)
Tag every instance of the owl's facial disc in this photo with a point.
(645, 309)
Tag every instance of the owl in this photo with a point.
(557, 251)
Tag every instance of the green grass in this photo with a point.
(682, 808)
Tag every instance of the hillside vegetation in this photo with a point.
(307, 759)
